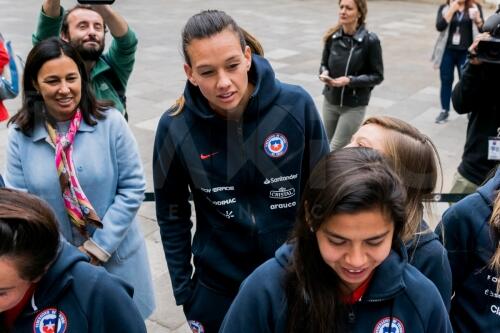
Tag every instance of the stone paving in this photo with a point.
(290, 31)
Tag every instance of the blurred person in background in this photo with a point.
(351, 65)
(458, 22)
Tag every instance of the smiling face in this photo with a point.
(219, 68)
(59, 83)
(370, 136)
(353, 245)
(86, 33)
(348, 13)
(12, 286)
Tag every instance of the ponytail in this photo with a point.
(495, 230)
(253, 43)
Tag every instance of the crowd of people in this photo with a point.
(303, 223)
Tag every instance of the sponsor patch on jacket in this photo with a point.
(389, 325)
(280, 179)
(282, 193)
(283, 205)
(276, 145)
(196, 326)
(47, 320)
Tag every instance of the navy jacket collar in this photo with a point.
(55, 281)
(488, 190)
(387, 281)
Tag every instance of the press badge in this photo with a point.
(455, 40)
(494, 149)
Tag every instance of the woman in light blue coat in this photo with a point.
(80, 156)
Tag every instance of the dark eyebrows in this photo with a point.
(377, 237)
(228, 60)
(233, 58)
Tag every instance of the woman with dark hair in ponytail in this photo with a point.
(243, 144)
(345, 268)
(471, 233)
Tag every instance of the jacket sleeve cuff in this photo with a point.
(183, 296)
(94, 249)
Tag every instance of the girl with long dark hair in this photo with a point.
(344, 269)
(415, 159)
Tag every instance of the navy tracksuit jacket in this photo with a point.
(399, 299)
(77, 297)
(476, 304)
(245, 177)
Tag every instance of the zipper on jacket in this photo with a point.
(345, 74)
(241, 141)
(351, 317)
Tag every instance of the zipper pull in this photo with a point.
(351, 317)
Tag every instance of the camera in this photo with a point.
(489, 50)
(96, 2)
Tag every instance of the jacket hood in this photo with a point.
(266, 90)
(488, 190)
(284, 254)
(55, 281)
(424, 236)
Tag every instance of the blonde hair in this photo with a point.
(416, 161)
(363, 11)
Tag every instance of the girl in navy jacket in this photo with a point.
(415, 160)
(243, 144)
(344, 269)
(471, 234)
(47, 285)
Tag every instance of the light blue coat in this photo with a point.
(110, 173)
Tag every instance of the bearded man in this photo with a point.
(85, 28)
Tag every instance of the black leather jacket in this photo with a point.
(358, 57)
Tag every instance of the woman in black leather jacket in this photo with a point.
(351, 66)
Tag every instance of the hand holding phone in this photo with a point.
(325, 77)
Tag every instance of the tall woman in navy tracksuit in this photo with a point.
(243, 144)
(472, 238)
(344, 269)
(47, 285)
